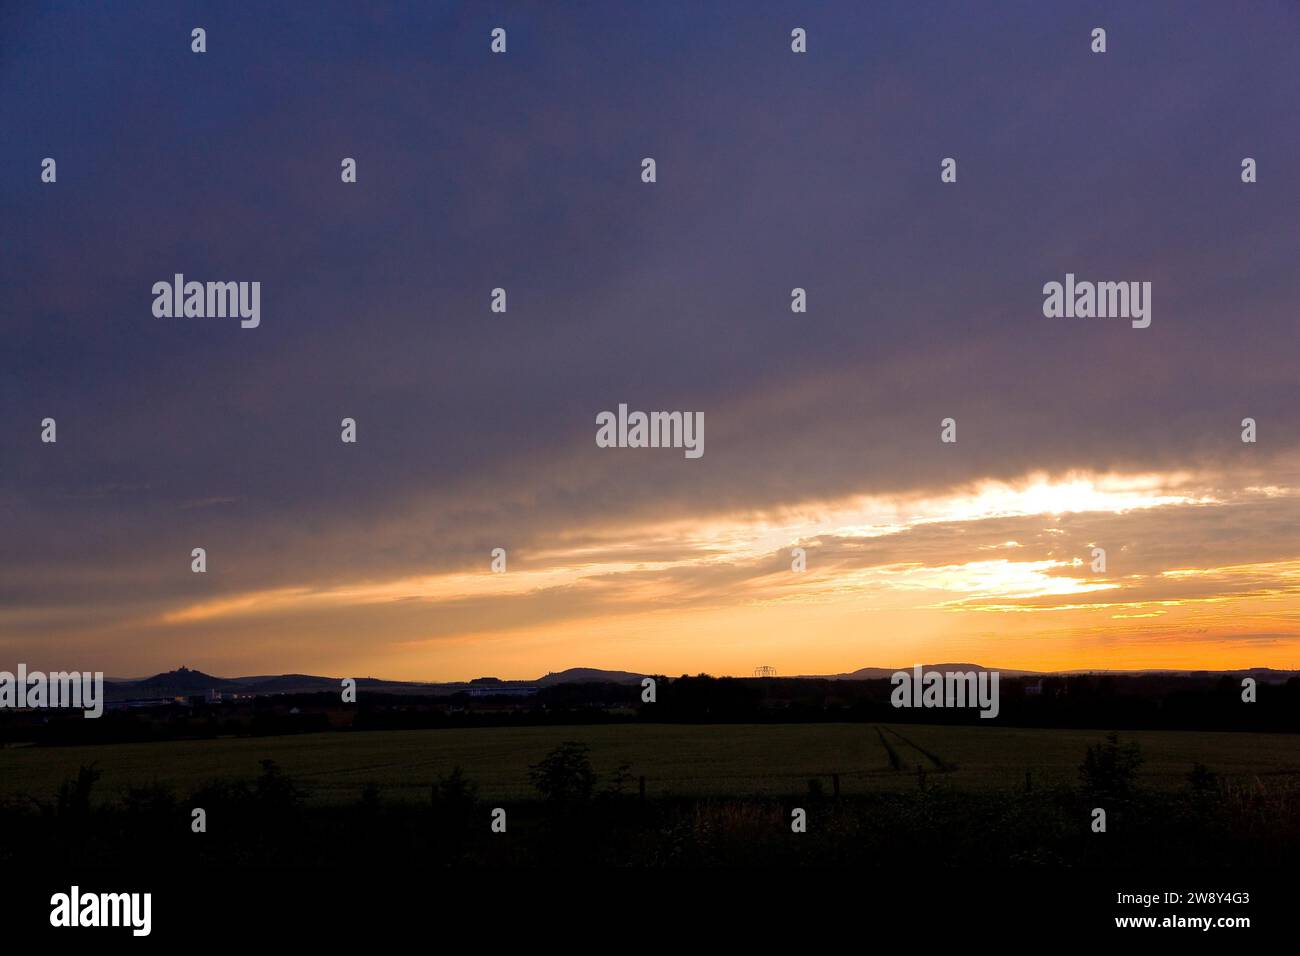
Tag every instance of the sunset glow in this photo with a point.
(888, 580)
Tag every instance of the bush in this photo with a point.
(73, 797)
(564, 776)
(454, 794)
(619, 781)
(275, 792)
(1110, 769)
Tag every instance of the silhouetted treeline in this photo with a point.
(1081, 702)
(1077, 701)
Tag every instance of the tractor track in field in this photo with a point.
(939, 763)
(895, 761)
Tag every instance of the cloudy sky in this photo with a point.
(476, 430)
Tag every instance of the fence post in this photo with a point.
(835, 783)
(641, 789)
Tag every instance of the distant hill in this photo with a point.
(184, 682)
(178, 683)
(877, 673)
(589, 675)
(286, 684)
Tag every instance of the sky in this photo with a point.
(476, 430)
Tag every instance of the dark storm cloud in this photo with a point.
(521, 171)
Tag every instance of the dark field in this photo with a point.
(872, 795)
(676, 760)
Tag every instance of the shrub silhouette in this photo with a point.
(72, 800)
(1109, 769)
(564, 776)
(275, 792)
(454, 794)
(619, 781)
(272, 794)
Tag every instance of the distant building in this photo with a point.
(142, 702)
(502, 690)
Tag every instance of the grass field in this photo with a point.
(736, 760)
